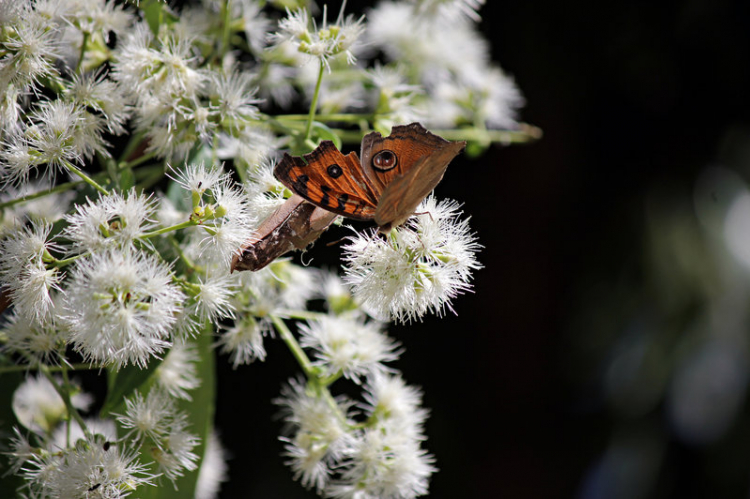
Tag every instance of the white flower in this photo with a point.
(450, 8)
(29, 49)
(348, 345)
(386, 459)
(48, 208)
(213, 300)
(121, 307)
(38, 343)
(39, 407)
(420, 267)
(178, 455)
(93, 466)
(244, 340)
(157, 419)
(214, 469)
(321, 433)
(94, 91)
(114, 220)
(150, 417)
(23, 274)
(197, 178)
(236, 98)
(321, 43)
(177, 373)
(58, 135)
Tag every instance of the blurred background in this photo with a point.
(604, 352)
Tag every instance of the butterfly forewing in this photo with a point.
(404, 193)
(331, 180)
(407, 143)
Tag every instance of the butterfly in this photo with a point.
(395, 174)
(294, 225)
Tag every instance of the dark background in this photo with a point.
(633, 98)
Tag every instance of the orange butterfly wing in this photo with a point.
(404, 192)
(328, 179)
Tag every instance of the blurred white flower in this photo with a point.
(48, 208)
(37, 343)
(449, 8)
(39, 407)
(214, 469)
(418, 268)
(177, 374)
(121, 307)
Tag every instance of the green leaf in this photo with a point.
(126, 179)
(326, 133)
(200, 412)
(156, 14)
(124, 382)
(9, 382)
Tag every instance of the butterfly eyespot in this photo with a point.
(385, 160)
(334, 171)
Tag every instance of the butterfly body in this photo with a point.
(394, 175)
(294, 225)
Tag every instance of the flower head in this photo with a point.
(23, 273)
(114, 220)
(348, 345)
(320, 433)
(121, 307)
(324, 42)
(420, 267)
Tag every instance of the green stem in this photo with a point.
(132, 145)
(64, 392)
(83, 52)
(86, 178)
(348, 118)
(301, 314)
(68, 261)
(294, 347)
(176, 245)
(314, 104)
(138, 161)
(526, 133)
(225, 29)
(171, 228)
(28, 197)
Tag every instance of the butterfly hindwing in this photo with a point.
(331, 180)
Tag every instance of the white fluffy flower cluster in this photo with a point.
(379, 457)
(417, 268)
(125, 267)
